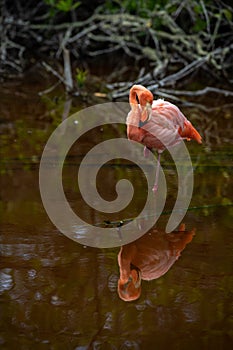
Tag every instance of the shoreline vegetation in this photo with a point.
(170, 42)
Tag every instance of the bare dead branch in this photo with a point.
(67, 71)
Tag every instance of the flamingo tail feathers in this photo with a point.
(190, 132)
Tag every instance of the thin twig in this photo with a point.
(200, 92)
(54, 72)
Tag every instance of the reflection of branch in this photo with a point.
(97, 333)
(53, 71)
(67, 107)
(50, 89)
(165, 212)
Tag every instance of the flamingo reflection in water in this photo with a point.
(148, 258)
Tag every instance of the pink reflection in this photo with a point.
(148, 258)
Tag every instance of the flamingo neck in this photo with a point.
(137, 91)
(134, 116)
(138, 99)
(133, 98)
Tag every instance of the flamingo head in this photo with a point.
(131, 289)
(142, 96)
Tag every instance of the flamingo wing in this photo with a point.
(164, 125)
(168, 125)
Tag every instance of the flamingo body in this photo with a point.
(166, 125)
(157, 124)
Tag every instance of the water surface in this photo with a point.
(59, 294)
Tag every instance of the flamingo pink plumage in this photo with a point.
(157, 124)
(148, 258)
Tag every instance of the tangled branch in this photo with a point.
(173, 44)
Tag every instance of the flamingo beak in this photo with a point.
(136, 277)
(146, 112)
(138, 282)
(149, 110)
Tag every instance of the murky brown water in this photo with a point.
(58, 294)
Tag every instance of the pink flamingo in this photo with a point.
(157, 124)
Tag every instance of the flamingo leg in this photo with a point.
(155, 187)
(119, 230)
(146, 152)
(119, 233)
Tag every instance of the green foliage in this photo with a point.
(80, 77)
(228, 14)
(139, 7)
(199, 25)
(62, 5)
(193, 18)
(134, 6)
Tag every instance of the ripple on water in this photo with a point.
(6, 280)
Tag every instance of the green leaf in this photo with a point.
(199, 25)
(228, 14)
